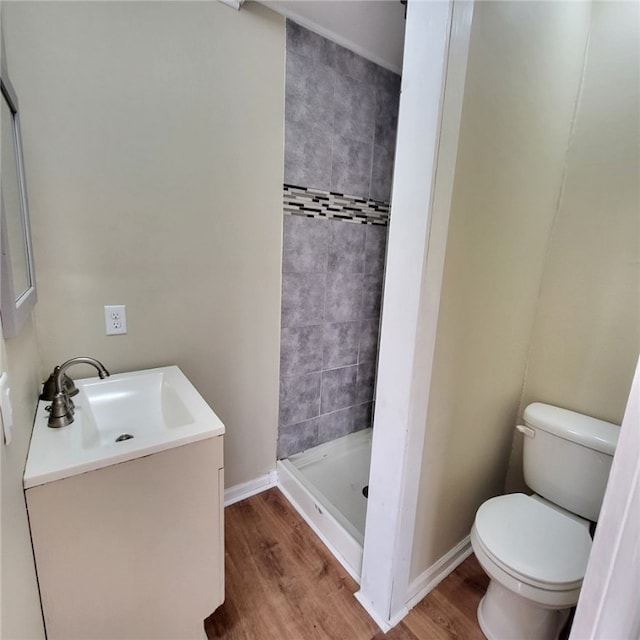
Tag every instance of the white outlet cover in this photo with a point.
(115, 319)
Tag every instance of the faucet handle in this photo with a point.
(60, 414)
(49, 387)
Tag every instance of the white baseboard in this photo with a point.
(247, 489)
(384, 625)
(437, 572)
(422, 585)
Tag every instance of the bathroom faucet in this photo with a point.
(61, 412)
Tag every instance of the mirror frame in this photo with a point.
(15, 309)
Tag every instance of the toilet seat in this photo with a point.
(532, 542)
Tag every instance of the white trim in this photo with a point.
(384, 625)
(251, 488)
(437, 572)
(345, 548)
(436, 50)
(608, 604)
(459, 39)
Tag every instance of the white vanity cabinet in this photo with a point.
(134, 549)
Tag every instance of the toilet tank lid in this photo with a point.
(590, 432)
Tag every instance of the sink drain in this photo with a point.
(123, 437)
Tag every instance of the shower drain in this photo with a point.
(123, 437)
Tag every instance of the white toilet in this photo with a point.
(535, 548)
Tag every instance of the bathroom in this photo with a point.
(159, 185)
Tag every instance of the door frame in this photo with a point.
(435, 57)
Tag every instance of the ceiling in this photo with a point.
(372, 28)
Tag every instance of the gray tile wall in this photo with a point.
(331, 290)
(341, 114)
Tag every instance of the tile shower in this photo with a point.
(340, 127)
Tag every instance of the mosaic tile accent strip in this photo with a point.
(315, 203)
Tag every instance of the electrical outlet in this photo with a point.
(115, 319)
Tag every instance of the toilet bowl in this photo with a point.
(535, 548)
(536, 556)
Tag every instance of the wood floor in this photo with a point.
(283, 584)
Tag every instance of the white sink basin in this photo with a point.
(137, 404)
(123, 417)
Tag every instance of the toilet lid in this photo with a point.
(533, 540)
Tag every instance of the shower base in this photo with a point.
(325, 485)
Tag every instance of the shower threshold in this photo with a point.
(325, 485)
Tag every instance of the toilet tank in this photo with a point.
(567, 457)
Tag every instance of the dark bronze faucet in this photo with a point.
(61, 411)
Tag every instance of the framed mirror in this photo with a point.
(17, 275)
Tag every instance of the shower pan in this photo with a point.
(327, 484)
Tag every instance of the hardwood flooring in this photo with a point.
(283, 584)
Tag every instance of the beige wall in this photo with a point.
(525, 65)
(153, 136)
(586, 334)
(20, 614)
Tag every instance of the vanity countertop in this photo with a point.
(120, 418)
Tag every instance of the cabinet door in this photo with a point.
(132, 550)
